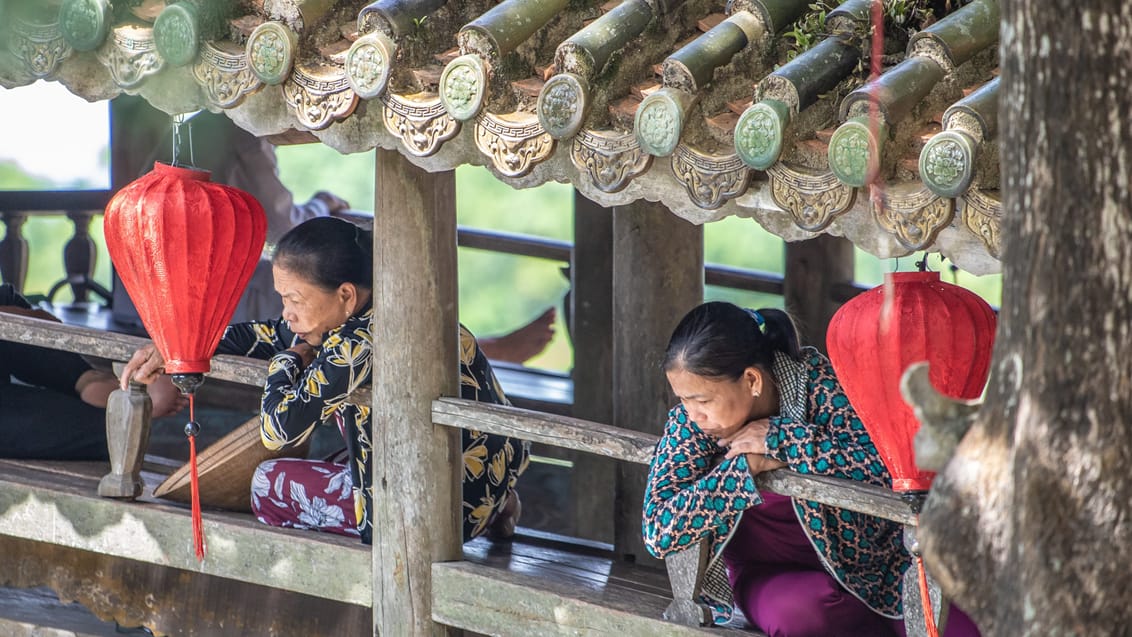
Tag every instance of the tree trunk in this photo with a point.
(1029, 528)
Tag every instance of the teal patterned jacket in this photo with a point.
(691, 498)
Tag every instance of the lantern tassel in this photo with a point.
(194, 483)
(925, 597)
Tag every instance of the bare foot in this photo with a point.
(94, 387)
(502, 527)
(524, 343)
(167, 399)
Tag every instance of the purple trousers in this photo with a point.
(783, 589)
(305, 494)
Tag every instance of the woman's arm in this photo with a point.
(688, 495)
(256, 339)
(297, 396)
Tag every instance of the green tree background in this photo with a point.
(497, 292)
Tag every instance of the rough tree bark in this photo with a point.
(1029, 528)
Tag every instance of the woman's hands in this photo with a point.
(305, 351)
(145, 366)
(751, 440)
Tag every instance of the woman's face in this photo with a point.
(310, 310)
(719, 406)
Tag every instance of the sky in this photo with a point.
(52, 133)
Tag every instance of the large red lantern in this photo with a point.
(185, 248)
(912, 317)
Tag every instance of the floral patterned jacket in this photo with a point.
(690, 498)
(296, 400)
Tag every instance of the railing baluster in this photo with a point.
(79, 255)
(14, 250)
(128, 423)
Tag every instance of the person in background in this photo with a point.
(53, 403)
(239, 159)
(320, 351)
(752, 400)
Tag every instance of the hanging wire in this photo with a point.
(180, 120)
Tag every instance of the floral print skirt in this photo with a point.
(305, 494)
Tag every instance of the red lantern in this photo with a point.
(912, 317)
(185, 249)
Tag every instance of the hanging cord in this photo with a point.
(178, 121)
(925, 597)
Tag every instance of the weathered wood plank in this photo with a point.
(560, 431)
(417, 465)
(62, 507)
(846, 494)
(496, 601)
(120, 347)
(637, 447)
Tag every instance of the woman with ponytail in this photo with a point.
(752, 400)
(320, 351)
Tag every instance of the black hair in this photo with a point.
(327, 252)
(721, 340)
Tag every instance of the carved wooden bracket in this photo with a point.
(515, 142)
(320, 95)
(710, 180)
(813, 198)
(419, 120)
(611, 159)
(223, 72)
(982, 214)
(913, 215)
(130, 55)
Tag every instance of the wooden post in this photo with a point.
(658, 276)
(417, 466)
(686, 575)
(591, 327)
(813, 269)
(128, 423)
(79, 256)
(14, 250)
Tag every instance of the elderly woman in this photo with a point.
(320, 351)
(752, 400)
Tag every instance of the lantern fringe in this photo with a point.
(925, 597)
(194, 483)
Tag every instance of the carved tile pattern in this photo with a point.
(423, 125)
(561, 104)
(41, 47)
(131, 56)
(850, 151)
(710, 180)
(914, 217)
(659, 124)
(514, 148)
(814, 199)
(757, 133)
(84, 22)
(176, 38)
(319, 101)
(945, 163)
(368, 68)
(982, 214)
(612, 160)
(269, 53)
(225, 77)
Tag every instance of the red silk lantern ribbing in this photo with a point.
(185, 248)
(912, 317)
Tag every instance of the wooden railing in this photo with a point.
(685, 569)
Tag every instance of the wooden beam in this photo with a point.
(658, 275)
(591, 329)
(417, 465)
(551, 429)
(818, 271)
(496, 601)
(60, 506)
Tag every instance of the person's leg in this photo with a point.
(304, 494)
(804, 604)
(41, 424)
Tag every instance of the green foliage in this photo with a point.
(809, 29)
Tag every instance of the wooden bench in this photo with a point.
(479, 593)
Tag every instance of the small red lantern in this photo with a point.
(912, 317)
(185, 248)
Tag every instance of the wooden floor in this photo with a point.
(67, 537)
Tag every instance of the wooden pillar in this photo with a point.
(591, 327)
(658, 275)
(814, 268)
(416, 481)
